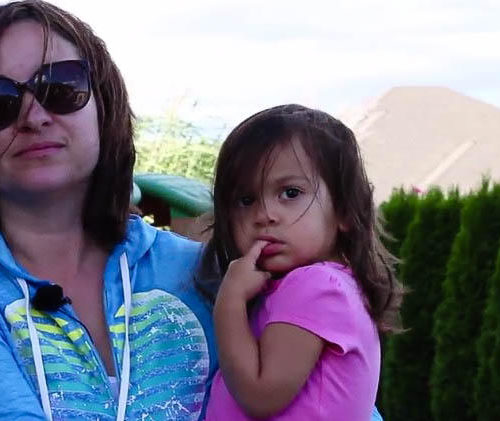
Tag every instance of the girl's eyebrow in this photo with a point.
(278, 181)
(285, 179)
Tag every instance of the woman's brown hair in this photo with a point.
(106, 208)
(334, 153)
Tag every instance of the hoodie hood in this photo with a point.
(139, 238)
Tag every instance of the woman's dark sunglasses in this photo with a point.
(61, 87)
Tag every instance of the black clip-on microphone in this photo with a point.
(49, 298)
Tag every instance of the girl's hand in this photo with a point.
(243, 279)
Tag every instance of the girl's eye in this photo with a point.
(290, 193)
(245, 201)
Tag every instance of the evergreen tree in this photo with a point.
(409, 356)
(396, 215)
(487, 385)
(459, 316)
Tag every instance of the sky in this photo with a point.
(216, 62)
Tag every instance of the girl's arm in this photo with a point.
(263, 376)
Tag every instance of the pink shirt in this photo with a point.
(324, 299)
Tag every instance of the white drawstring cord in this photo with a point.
(125, 372)
(37, 353)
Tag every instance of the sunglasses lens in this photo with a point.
(10, 103)
(64, 87)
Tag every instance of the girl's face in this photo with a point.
(291, 208)
(42, 151)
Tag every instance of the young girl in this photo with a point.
(295, 237)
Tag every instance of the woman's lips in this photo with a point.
(37, 150)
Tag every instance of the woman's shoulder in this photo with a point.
(143, 236)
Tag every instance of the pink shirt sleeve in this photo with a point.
(322, 298)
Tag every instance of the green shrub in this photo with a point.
(487, 384)
(396, 214)
(408, 356)
(459, 316)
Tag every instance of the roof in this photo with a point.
(423, 136)
(185, 196)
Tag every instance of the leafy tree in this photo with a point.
(459, 315)
(409, 356)
(170, 145)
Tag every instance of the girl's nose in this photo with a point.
(265, 214)
(32, 116)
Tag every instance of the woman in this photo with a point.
(127, 335)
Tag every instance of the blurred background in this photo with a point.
(417, 80)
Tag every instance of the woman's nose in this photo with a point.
(32, 116)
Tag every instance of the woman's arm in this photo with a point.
(263, 376)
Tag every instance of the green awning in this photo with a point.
(186, 197)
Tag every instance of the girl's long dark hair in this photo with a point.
(334, 152)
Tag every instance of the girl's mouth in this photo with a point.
(271, 249)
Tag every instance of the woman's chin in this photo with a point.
(42, 183)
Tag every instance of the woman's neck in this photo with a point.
(46, 237)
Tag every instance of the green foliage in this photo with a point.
(408, 356)
(459, 315)
(169, 145)
(487, 384)
(397, 214)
